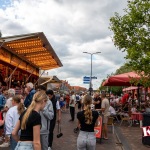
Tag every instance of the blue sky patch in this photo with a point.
(4, 3)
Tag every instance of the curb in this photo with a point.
(122, 140)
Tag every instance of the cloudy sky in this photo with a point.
(72, 27)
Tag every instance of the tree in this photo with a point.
(132, 34)
(124, 69)
(0, 34)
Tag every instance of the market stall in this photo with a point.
(22, 56)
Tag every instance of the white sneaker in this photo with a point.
(49, 148)
(4, 144)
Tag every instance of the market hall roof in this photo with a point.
(33, 48)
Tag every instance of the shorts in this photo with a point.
(105, 119)
(61, 104)
(24, 146)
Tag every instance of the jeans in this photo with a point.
(13, 143)
(24, 146)
(51, 134)
(86, 141)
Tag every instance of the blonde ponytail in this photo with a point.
(27, 114)
(87, 106)
(20, 108)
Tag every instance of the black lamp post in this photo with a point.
(90, 87)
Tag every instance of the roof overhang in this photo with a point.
(50, 79)
(32, 48)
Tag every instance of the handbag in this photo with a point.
(60, 134)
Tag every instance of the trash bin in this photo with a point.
(146, 122)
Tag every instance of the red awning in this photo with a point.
(130, 88)
(121, 79)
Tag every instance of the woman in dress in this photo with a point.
(30, 124)
(87, 119)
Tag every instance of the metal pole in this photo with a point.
(90, 85)
(91, 77)
(39, 77)
(29, 76)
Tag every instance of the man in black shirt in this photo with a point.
(97, 101)
(56, 109)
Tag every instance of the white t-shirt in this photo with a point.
(82, 98)
(112, 110)
(72, 101)
(9, 102)
(57, 105)
(105, 105)
(133, 109)
(12, 117)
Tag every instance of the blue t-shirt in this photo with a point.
(2, 100)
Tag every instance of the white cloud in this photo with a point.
(71, 26)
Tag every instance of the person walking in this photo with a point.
(72, 105)
(47, 115)
(30, 123)
(57, 115)
(87, 119)
(105, 112)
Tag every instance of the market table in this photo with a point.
(137, 116)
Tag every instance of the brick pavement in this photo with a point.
(68, 140)
(132, 137)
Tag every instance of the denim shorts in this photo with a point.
(86, 141)
(24, 146)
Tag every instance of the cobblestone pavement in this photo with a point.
(68, 140)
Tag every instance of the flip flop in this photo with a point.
(105, 138)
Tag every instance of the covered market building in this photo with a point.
(23, 56)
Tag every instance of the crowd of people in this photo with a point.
(27, 120)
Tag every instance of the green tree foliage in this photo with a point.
(111, 89)
(132, 34)
(124, 69)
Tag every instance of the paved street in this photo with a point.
(130, 137)
(68, 140)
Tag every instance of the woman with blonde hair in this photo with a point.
(87, 119)
(30, 124)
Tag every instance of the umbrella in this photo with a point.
(121, 79)
(130, 88)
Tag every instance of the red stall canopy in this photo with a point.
(121, 79)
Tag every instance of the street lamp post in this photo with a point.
(90, 87)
